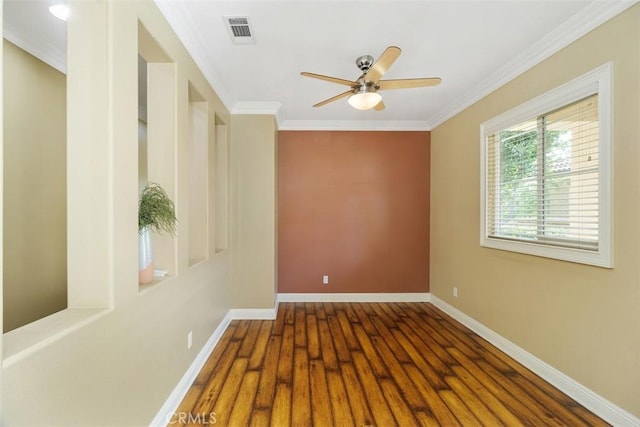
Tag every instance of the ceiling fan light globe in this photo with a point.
(60, 10)
(364, 100)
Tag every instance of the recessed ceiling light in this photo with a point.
(60, 11)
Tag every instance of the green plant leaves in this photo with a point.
(156, 210)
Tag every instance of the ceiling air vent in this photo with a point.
(239, 29)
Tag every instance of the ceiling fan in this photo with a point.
(363, 94)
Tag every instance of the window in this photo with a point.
(546, 174)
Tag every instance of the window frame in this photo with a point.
(597, 81)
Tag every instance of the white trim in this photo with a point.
(180, 391)
(586, 397)
(597, 404)
(366, 125)
(254, 313)
(183, 25)
(182, 388)
(589, 18)
(597, 81)
(355, 297)
(260, 108)
(44, 51)
(251, 107)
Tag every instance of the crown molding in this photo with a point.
(589, 18)
(356, 125)
(180, 19)
(255, 107)
(46, 52)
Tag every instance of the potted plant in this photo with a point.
(156, 212)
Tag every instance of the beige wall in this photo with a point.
(120, 368)
(35, 217)
(254, 210)
(582, 320)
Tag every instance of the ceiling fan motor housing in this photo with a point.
(364, 87)
(364, 62)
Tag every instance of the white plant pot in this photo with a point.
(145, 257)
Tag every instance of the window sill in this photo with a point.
(597, 259)
(28, 339)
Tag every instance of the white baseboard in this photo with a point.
(254, 313)
(586, 397)
(355, 297)
(180, 391)
(589, 399)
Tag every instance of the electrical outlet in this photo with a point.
(325, 280)
(189, 340)
(455, 292)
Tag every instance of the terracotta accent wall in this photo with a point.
(353, 206)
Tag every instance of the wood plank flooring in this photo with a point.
(366, 364)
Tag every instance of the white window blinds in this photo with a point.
(546, 174)
(543, 178)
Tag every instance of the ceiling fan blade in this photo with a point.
(408, 83)
(335, 98)
(328, 78)
(379, 106)
(383, 63)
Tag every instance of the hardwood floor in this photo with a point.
(365, 364)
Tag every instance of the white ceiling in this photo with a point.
(28, 24)
(475, 46)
